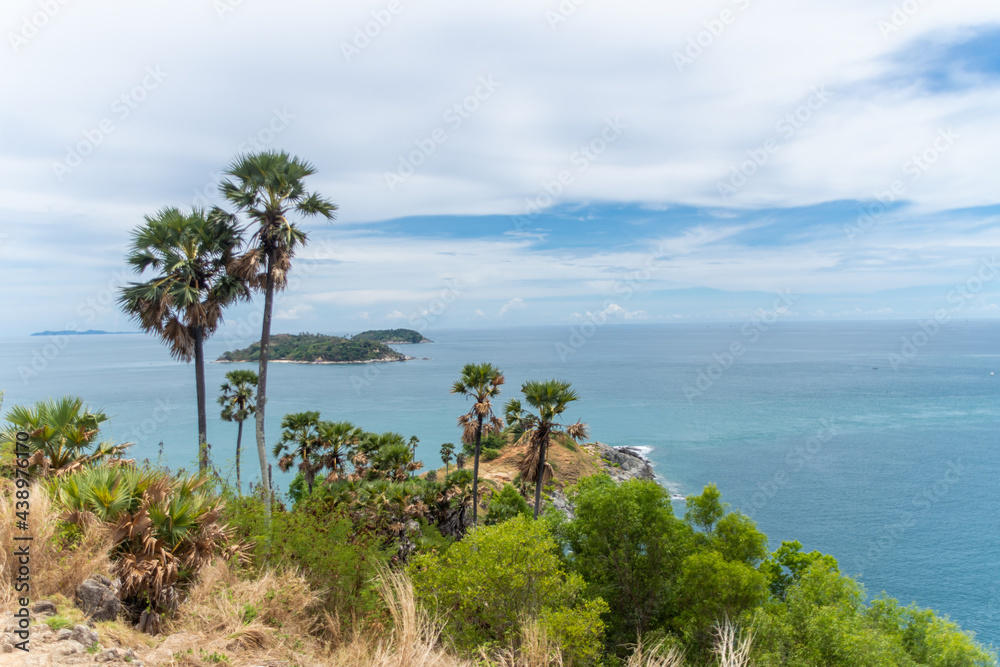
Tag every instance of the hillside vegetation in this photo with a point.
(394, 336)
(317, 348)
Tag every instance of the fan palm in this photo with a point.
(337, 439)
(62, 435)
(268, 187)
(183, 302)
(237, 405)
(300, 440)
(549, 399)
(481, 382)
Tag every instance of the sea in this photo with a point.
(876, 442)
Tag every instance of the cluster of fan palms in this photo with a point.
(202, 261)
(62, 436)
(535, 429)
(164, 529)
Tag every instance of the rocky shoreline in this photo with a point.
(380, 360)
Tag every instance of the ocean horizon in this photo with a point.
(876, 442)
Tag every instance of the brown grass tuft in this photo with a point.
(54, 568)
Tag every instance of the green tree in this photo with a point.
(183, 302)
(447, 453)
(237, 401)
(487, 585)
(268, 187)
(300, 441)
(480, 382)
(507, 504)
(336, 440)
(550, 399)
(627, 544)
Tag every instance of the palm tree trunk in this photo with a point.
(539, 473)
(239, 438)
(199, 373)
(475, 474)
(265, 342)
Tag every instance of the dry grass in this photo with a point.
(655, 656)
(536, 650)
(53, 570)
(412, 641)
(272, 617)
(731, 646)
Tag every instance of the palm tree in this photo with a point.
(267, 187)
(336, 439)
(550, 400)
(237, 405)
(447, 453)
(62, 435)
(300, 440)
(183, 302)
(480, 382)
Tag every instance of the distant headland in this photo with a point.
(306, 348)
(88, 332)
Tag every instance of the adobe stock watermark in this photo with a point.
(121, 108)
(786, 126)
(256, 142)
(751, 332)
(561, 14)
(419, 319)
(579, 162)
(914, 167)
(893, 532)
(714, 29)
(957, 298)
(454, 116)
(160, 414)
(89, 309)
(224, 7)
(34, 23)
(900, 16)
(796, 458)
(365, 34)
(625, 287)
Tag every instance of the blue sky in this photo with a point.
(520, 162)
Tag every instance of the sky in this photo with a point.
(517, 163)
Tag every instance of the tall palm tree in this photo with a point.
(481, 382)
(268, 187)
(549, 399)
(300, 440)
(237, 405)
(447, 453)
(337, 439)
(183, 302)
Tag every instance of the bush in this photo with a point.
(488, 585)
(488, 454)
(506, 505)
(319, 539)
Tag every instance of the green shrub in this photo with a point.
(488, 454)
(319, 538)
(490, 583)
(507, 504)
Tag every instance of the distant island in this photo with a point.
(309, 348)
(392, 336)
(88, 332)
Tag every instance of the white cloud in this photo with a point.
(515, 303)
(395, 315)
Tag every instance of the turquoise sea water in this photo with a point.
(835, 434)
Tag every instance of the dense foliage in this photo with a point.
(317, 347)
(392, 336)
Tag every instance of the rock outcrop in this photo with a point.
(98, 599)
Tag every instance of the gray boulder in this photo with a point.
(85, 635)
(98, 600)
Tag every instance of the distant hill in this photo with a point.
(309, 348)
(392, 336)
(88, 332)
